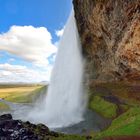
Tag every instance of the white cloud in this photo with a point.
(5, 73)
(11, 59)
(29, 43)
(18, 73)
(60, 32)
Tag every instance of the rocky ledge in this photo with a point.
(17, 130)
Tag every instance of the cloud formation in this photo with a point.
(18, 73)
(29, 43)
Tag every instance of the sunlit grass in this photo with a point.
(127, 124)
(104, 108)
(17, 94)
(15, 91)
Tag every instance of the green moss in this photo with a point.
(127, 124)
(128, 108)
(124, 107)
(4, 107)
(106, 109)
(44, 133)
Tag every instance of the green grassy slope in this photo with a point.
(119, 101)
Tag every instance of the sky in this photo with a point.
(30, 31)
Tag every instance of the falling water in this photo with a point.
(64, 104)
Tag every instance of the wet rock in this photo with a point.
(6, 117)
(17, 130)
(42, 127)
(88, 137)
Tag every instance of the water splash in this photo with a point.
(65, 103)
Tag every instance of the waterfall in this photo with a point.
(64, 104)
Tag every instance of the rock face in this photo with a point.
(110, 36)
(17, 130)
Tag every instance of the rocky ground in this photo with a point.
(17, 130)
(11, 129)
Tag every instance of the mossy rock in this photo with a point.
(127, 124)
(104, 108)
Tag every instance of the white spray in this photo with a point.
(64, 104)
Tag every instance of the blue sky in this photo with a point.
(29, 33)
(51, 14)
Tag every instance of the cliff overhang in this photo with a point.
(110, 36)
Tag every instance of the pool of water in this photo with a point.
(91, 122)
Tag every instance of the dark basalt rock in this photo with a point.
(17, 130)
(6, 117)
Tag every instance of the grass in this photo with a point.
(4, 107)
(20, 94)
(127, 124)
(106, 109)
(69, 137)
(24, 97)
(6, 92)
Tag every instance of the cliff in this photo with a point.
(110, 36)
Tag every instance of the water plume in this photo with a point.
(65, 102)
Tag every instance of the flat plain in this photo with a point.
(19, 94)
